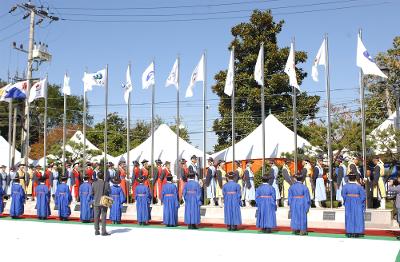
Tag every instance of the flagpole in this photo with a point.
(10, 109)
(105, 120)
(177, 122)
(64, 132)
(233, 109)
(294, 116)
(328, 97)
(153, 94)
(263, 109)
(204, 120)
(84, 128)
(128, 139)
(363, 125)
(45, 128)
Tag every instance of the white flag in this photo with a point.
(230, 76)
(259, 69)
(290, 68)
(173, 77)
(94, 79)
(128, 85)
(197, 75)
(3, 92)
(66, 87)
(38, 90)
(148, 77)
(320, 59)
(366, 62)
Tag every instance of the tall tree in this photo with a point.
(278, 94)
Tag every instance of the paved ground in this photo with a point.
(33, 240)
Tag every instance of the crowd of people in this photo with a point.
(230, 190)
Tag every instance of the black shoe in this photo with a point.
(96, 233)
(105, 234)
(195, 227)
(296, 232)
(118, 222)
(190, 226)
(234, 228)
(398, 237)
(348, 235)
(303, 233)
(268, 230)
(229, 227)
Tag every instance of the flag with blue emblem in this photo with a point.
(228, 89)
(128, 85)
(94, 79)
(17, 90)
(148, 77)
(197, 75)
(3, 92)
(366, 62)
(173, 76)
(38, 90)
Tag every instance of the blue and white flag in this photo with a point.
(148, 77)
(94, 79)
(197, 75)
(17, 90)
(3, 92)
(38, 90)
(173, 76)
(128, 85)
(366, 62)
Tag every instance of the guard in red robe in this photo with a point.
(89, 172)
(165, 172)
(76, 175)
(182, 177)
(47, 175)
(144, 172)
(37, 175)
(135, 176)
(157, 187)
(122, 176)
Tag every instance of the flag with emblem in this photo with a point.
(173, 76)
(94, 79)
(38, 90)
(228, 89)
(17, 90)
(3, 92)
(128, 84)
(148, 77)
(197, 75)
(320, 59)
(366, 62)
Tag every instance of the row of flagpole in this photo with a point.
(100, 78)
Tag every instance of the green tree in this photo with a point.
(278, 94)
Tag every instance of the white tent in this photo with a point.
(164, 148)
(278, 139)
(4, 149)
(386, 125)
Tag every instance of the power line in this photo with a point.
(10, 25)
(14, 34)
(207, 13)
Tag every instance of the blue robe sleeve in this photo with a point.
(363, 197)
(122, 196)
(274, 197)
(162, 194)
(199, 194)
(290, 195)
(307, 198)
(344, 194)
(184, 192)
(257, 196)
(148, 195)
(69, 196)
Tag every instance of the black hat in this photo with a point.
(158, 162)
(21, 164)
(340, 158)
(2, 166)
(88, 164)
(230, 175)
(238, 162)
(320, 158)
(76, 163)
(249, 161)
(140, 179)
(110, 164)
(31, 166)
(191, 175)
(264, 178)
(12, 168)
(287, 160)
(210, 159)
(121, 162)
(193, 157)
(135, 163)
(38, 166)
(183, 161)
(144, 161)
(85, 177)
(169, 177)
(307, 160)
(64, 177)
(16, 178)
(42, 179)
(220, 161)
(116, 180)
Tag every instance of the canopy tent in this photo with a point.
(387, 138)
(164, 148)
(4, 149)
(78, 139)
(278, 139)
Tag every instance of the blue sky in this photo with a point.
(79, 45)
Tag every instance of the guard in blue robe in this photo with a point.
(17, 199)
(86, 214)
(42, 200)
(143, 200)
(354, 202)
(266, 206)
(1, 200)
(169, 199)
(232, 200)
(63, 199)
(299, 203)
(192, 196)
(119, 198)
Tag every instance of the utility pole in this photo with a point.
(35, 54)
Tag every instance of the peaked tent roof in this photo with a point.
(391, 121)
(164, 148)
(4, 149)
(278, 139)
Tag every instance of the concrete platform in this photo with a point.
(317, 217)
